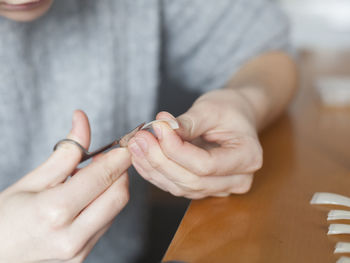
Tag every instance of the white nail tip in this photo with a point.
(330, 199)
(172, 123)
(338, 215)
(338, 229)
(342, 247)
(343, 260)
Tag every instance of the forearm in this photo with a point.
(266, 84)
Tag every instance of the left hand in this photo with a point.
(215, 152)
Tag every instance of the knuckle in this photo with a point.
(191, 184)
(206, 169)
(177, 192)
(195, 186)
(194, 196)
(253, 157)
(66, 247)
(155, 163)
(54, 216)
(109, 174)
(244, 185)
(257, 159)
(221, 194)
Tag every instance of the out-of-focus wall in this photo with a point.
(321, 24)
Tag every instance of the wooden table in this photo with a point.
(306, 151)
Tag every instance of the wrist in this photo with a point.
(235, 108)
(257, 102)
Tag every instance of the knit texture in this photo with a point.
(110, 58)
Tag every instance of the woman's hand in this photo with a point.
(44, 218)
(215, 152)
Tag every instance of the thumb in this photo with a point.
(65, 158)
(192, 124)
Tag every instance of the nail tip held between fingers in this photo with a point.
(165, 115)
(172, 123)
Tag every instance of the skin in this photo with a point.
(215, 152)
(29, 14)
(63, 219)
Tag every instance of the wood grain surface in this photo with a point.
(306, 151)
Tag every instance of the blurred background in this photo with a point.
(320, 34)
(319, 24)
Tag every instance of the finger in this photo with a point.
(221, 195)
(192, 124)
(242, 154)
(150, 160)
(93, 180)
(147, 155)
(82, 255)
(102, 210)
(97, 157)
(225, 185)
(155, 165)
(221, 186)
(65, 159)
(193, 158)
(153, 176)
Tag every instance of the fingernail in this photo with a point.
(158, 131)
(142, 144)
(135, 149)
(171, 122)
(185, 123)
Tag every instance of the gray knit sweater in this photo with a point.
(110, 58)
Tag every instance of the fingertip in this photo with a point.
(165, 115)
(169, 140)
(163, 131)
(186, 127)
(80, 131)
(158, 130)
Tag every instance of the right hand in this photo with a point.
(44, 218)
